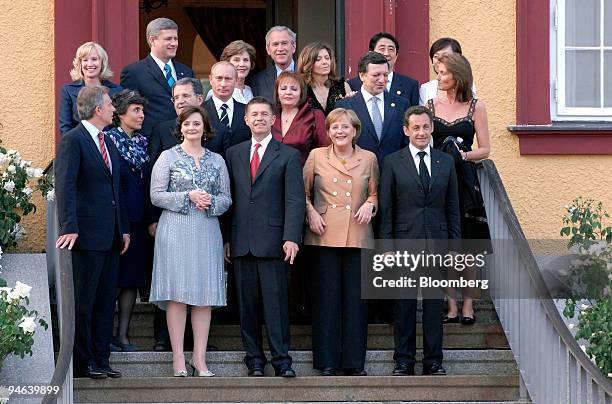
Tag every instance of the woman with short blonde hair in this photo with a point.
(90, 67)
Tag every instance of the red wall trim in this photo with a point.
(533, 62)
(408, 20)
(114, 24)
(565, 143)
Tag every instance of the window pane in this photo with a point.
(608, 79)
(608, 23)
(582, 78)
(582, 23)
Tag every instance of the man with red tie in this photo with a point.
(265, 231)
(93, 224)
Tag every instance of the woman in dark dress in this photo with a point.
(318, 67)
(458, 114)
(135, 264)
(89, 68)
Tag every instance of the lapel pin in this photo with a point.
(399, 92)
(392, 105)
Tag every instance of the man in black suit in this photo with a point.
(93, 224)
(381, 113)
(419, 200)
(222, 109)
(154, 76)
(280, 46)
(266, 228)
(403, 86)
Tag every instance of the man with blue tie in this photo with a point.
(93, 224)
(154, 76)
(380, 113)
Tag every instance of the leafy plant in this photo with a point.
(590, 278)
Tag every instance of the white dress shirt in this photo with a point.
(162, 64)
(291, 68)
(230, 107)
(417, 160)
(367, 97)
(93, 132)
(390, 79)
(262, 149)
(243, 96)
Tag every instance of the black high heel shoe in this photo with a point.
(465, 320)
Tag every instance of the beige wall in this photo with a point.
(27, 103)
(538, 186)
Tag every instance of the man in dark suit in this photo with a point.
(403, 86)
(266, 228)
(419, 200)
(93, 224)
(222, 108)
(154, 76)
(280, 46)
(380, 113)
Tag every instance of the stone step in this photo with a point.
(378, 363)
(466, 388)
(373, 402)
(380, 336)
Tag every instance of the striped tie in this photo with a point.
(103, 151)
(224, 116)
(169, 79)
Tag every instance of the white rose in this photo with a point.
(11, 152)
(51, 195)
(606, 291)
(22, 289)
(38, 172)
(3, 159)
(610, 277)
(610, 375)
(27, 324)
(571, 326)
(9, 186)
(13, 296)
(30, 172)
(563, 272)
(11, 169)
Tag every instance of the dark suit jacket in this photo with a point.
(263, 83)
(163, 138)
(89, 200)
(406, 211)
(401, 85)
(146, 77)
(270, 211)
(68, 115)
(392, 138)
(238, 130)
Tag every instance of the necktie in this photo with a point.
(169, 77)
(376, 117)
(224, 116)
(103, 151)
(423, 173)
(255, 162)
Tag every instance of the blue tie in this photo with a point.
(376, 117)
(169, 77)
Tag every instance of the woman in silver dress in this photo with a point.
(191, 185)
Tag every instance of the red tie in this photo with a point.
(255, 162)
(103, 149)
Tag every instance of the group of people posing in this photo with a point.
(249, 177)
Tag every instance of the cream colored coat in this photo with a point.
(337, 191)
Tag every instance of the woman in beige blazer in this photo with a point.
(340, 182)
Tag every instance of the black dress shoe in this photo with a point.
(285, 371)
(162, 346)
(256, 371)
(450, 320)
(110, 372)
(356, 372)
(465, 320)
(436, 369)
(403, 369)
(328, 372)
(92, 372)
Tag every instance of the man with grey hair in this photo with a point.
(154, 76)
(93, 224)
(280, 45)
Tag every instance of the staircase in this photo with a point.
(480, 366)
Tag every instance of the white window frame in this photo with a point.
(559, 111)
